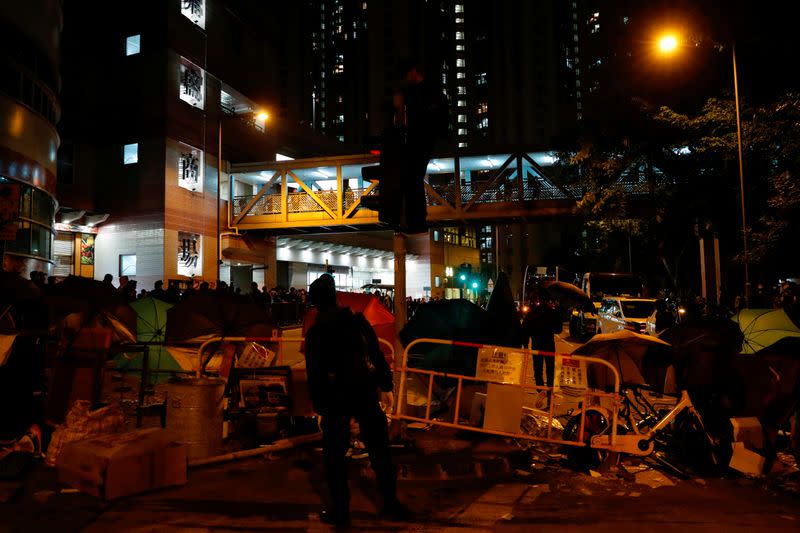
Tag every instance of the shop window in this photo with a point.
(437, 281)
(127, 264)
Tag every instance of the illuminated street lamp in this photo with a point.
(668, 44)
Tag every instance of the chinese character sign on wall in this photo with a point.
(195, 11)
(190, 168)
(190, 254)
(192, 83)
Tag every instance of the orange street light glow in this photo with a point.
(667, 44)
(262, 116)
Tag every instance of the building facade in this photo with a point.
(149, 101)
(29, 111)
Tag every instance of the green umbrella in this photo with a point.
(151, 323)
(764, 327)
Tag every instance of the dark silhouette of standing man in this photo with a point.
(345, 370)
(539, 325)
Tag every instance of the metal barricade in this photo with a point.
(607, 444)
(388, 352)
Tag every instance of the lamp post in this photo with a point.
(668, 44)
(260, 116)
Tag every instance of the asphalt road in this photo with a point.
(283, 492)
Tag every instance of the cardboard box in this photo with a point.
(112, 466)
(477, 409)
(745, 461)
(748, 431)
(503, 408)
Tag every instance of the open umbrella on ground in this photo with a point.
(633, 355)
(210, 314)
(568, 295)
(151, 329)
(703, 349)
(92, 303)
(764, 327)
(459, 320)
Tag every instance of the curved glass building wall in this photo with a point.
(29, 111)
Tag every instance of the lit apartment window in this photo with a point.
(462, 145)
(462, 90)
(132, 45)
(459, 8)
(459, 36)
(483, 123)
(460, 62)
(130, 154)
(190, 168)
(462, 118)
(459, 20)
(459, 48)
(462, 103)
(192, 87)
(462, 131)
(460, 75)
(194, 10)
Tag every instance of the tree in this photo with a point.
(690, 162)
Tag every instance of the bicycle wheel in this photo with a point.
(585, 457)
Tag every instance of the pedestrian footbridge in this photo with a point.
(324, 194)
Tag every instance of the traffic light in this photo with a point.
(400, 201)
(464, 272)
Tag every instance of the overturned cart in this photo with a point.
(502, 399)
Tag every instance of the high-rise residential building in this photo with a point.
(29, 111)
(500, 64)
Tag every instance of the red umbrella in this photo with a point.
(381, 319)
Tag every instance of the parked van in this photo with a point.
(598, 285)
(620, 313)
